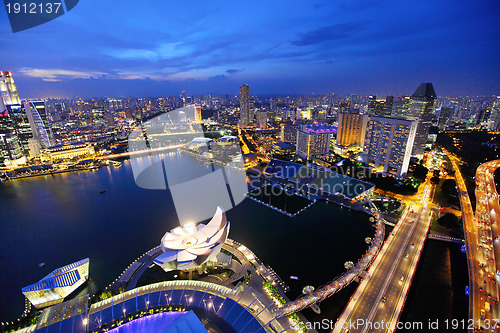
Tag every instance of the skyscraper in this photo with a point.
(8, 89)
(422, 106)
(388, 144)
(352, 129)
(38, 121)
(197, 114)
(289, 133)
(11, 153)
(244, 105)
(444, 117)
(372, 102)
(11, 122)
(311, 144)
(401, 108)
(261, 119)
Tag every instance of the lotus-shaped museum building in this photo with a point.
(190, 246)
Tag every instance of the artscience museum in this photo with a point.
(190, 246)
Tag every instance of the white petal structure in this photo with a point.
(191, 245)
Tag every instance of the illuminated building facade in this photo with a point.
(422, 106)
(37, 117)
(444, 117)
(289, 133)
(61, 282)
(197, 114)
(11, 153)
(261, 117)
(310, 144)
(8, 89)
(388, 144)
(352, 129)
(245, 119)
(401, 108)
(66, 152)
(190, 246)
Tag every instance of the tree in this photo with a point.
(449, 221)
(420, 172)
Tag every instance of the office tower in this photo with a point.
(197, 114)
(11, 152)
(244, 105)
(289, 133)
(21, 124)
(372, 101)
(422, 106)
(109, 118)
(251, 110)
(444, 117)
(389, 103)
(312, 144)
(379, 108)
(352, 129)
(183, 98)
(99, 117)
(388, 144)
(8, 89)
(37, 118)
(484, 112)
(261, 117)
(494, 121)
(272, 104)
(401, 108)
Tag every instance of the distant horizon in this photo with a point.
(383, 47)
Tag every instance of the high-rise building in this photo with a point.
(389, 103)
(8, 89)
(401, 108)
(245, 105)
(388, 144)
(38, 121)
(289, 133)
(10, 149)
(422, 106)
(21, 124)
(197, 114)
(494, 121)
(311, 144)
(444, 117)
(484, 112)
(261, 119)
(251, 110)
(372, 102)
(352, 129)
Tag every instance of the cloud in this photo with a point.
(232, 71)
(163, 51)
(52, 75)
(328, 33)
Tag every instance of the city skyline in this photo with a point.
(382, 48)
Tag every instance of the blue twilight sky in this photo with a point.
(153, 48)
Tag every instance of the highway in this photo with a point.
(379, 299)
(480, 286)
(486, 252)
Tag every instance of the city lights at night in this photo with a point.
(225, 166)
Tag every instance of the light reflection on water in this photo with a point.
(63, 218)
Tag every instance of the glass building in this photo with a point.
(37, 117)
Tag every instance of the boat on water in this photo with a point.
(103, 191)
(293, 277)
(41, 264)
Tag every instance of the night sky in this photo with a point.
(154, 48)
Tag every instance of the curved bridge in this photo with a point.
(345, 278)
